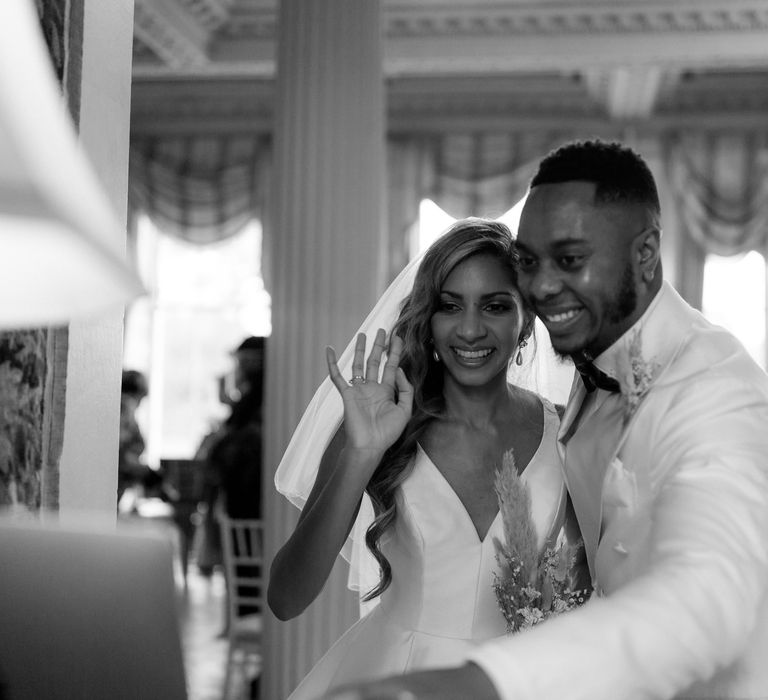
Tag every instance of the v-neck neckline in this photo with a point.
(457, 498)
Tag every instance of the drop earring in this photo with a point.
(435, 356)
(519, 356)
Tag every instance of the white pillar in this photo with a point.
(88, 466)
(325, 261)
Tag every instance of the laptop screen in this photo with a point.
(87, 615)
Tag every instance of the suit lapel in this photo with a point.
(591, 448)
(588, 446)
(572, 409)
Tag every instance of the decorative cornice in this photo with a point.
(210, 14)
(607, 60)
(172, 36)
(440, 18)
(436, 19)
(250, 18)
(423, 35)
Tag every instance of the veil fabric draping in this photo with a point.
(541, 372)
(297, 470)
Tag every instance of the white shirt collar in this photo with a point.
(614, 360)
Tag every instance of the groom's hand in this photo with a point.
(465, 683)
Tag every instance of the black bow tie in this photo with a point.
(594, 378)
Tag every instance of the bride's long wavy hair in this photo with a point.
(466, 238)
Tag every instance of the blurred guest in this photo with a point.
(235, 456)
(233, 452)
(132, 471)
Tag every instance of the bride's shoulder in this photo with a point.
(536, 402)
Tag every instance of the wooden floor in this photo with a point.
(202, 621)
(201, 610)
(201, 618)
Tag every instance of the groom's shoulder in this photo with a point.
(689, 344)
(710, 354)
(711, 390)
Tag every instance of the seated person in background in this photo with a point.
(233, 452)
(131, 469)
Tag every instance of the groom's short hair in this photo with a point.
(620, 174)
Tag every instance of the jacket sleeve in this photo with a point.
(693, 604)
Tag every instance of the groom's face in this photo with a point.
(577, 267)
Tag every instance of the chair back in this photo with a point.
(243, 552)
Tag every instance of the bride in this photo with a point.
(424, 432)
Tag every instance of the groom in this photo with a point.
(665, 450)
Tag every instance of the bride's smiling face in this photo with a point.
(477, 326)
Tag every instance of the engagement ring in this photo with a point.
(357, 379)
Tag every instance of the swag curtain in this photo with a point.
(466, 174)
(204, 189)
(201, 189)
(719, 183)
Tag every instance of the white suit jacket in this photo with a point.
(672, 500)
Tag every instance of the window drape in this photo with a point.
(719, 182)
(206, 188)
(465, 174)
(202, 189)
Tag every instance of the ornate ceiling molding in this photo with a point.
(454, 35)
(430, 19)
(211, 14)
(171, 33)
(613, 61)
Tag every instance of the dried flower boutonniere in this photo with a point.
(639, 377)
(530, 587)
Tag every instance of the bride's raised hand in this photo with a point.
(374, 416)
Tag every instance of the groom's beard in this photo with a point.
(626, 298)
(623, 305)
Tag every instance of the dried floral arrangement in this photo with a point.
(529, 587)
(640, 377)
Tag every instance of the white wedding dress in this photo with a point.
(441, 600)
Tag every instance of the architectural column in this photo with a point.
(325, 263)
(102, 30)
